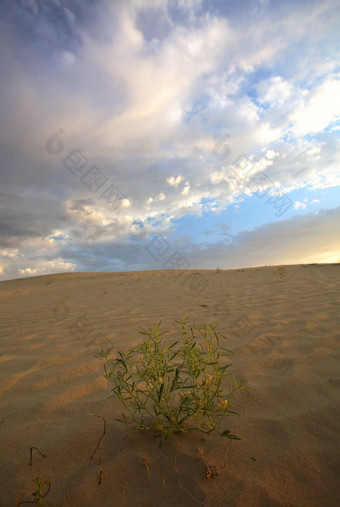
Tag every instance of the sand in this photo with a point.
(284, 332)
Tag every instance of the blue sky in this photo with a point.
(135, 130)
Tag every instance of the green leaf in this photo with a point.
(121, 361)
(228, 434)
(174, 355)
(160, 392)
(183, 419)
(164, 437)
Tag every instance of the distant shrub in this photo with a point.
(174, 387)
(280, 272)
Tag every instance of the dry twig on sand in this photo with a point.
(100, 471)
(95, 415)
(147, 463)
(31, 450)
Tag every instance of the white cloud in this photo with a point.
(174, 182)
(125, 203)
(85, 213)
(10, 253)
(274, 91)
(270, 154)
(28, 271)
(186, 189)
(242, 170)
(217, 177)
(314, 152)
(319, 110)
(47, 266)
(299, 205)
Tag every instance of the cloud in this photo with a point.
(270, 154)
(144, 91)
(125, 203)
(274, 91)
(28, 271)
(174, 181)
(186, 189)
(9, 253)
(320, 109)
(299, 205)
(302, 239)
(52, 266)
(314, 152)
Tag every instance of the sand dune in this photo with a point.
(284, 331)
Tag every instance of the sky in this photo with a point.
(168, 134)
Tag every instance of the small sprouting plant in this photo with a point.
(38, 495)
(49, 281)
(280, 272)
(174, 387)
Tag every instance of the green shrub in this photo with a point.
(174, 387)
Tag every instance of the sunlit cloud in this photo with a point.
(319, 109)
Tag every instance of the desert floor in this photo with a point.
(284, 332)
